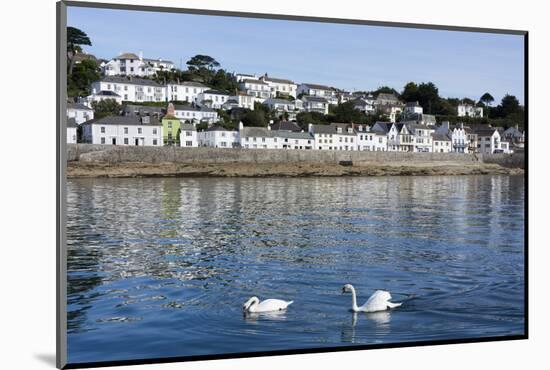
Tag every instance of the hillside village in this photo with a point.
(139, 101)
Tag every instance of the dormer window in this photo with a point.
(339, 130)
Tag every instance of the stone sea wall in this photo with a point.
(119, 154)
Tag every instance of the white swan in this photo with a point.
(268, 305)
(378, 301)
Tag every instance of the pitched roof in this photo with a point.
(381, 127)
(386, 96)
(215, 92)
(332, 128)
(256, 132)
(217, 128)
(278, 80)
(158, 60)
(317, 99)
(317, 86)
(127, 56)
(252, 81)
(294, 135)
(285, 126)
(192, 109)
(77, 106)
(277, 101)
(187, 83)
(130, 81)
(132, 109)
(108, 93)
(125, 120)
(484, 131)
(440, 137)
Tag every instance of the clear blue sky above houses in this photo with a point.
(352, 57)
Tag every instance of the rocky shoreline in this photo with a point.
(79, 169)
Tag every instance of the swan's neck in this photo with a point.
(353, 300)
(253, 305)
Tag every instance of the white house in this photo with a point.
(257, 88)
(188, 135)
(335, 136)
(243, 100)
(515, 136)
(280, 86)
(317, 90)
(218, 137)
(377, 139)
(315, 104)
(212, 99)
(130, 64)
(187, 91)
(400, 138)
(460, 139)
(490, 141)
(412, 108)
(123, 130)
(281, 106)
(131, 88)
(258, 138)
(189, 113)
(441, 143)
(363, 106)
(80, 112)
(100, 96)
(422, 137)
(468, 110)
(244, 76)
(71, 130)
(295, 140)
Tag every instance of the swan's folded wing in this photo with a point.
(379, 296)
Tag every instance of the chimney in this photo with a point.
(170, 111)
(310, 127)
(269, 126)
(241, 126)
(140, 55)
(462, 125)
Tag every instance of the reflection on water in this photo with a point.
(160, 267)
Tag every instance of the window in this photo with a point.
(126, 130)
(102, 130)
(154, 131)
(126, 140)
(169, 124)
(154, 141)
(102, 140)
(188, 143)
(140, 130)
(188, 133)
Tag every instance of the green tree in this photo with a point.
(410, 92)
(303, 119)
(75, 38)
(203, 67)
(346, 112)
(107, 107)
(84, 73)
(509, 105)
(255, 118)
(385, 90)
(487, 99)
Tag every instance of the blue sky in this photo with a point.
(352, 57)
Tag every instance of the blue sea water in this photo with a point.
(161, 267)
